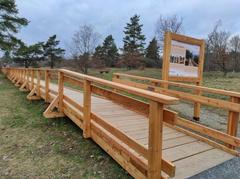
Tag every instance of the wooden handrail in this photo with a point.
(164, 99)
(183, 85)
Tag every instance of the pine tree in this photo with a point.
(98, 57)
(28, 54)
(107, 53)
(51, 50)
(133, 49)
(110, 51)
(9, 24)
(152, 54)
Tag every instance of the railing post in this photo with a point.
(155, 140)
(20, 76)
(27, 78)
(197, 106)
(233, 118)
(47, 80)
(60, 91)
(87, 108)
(32, 79)
(38, 82)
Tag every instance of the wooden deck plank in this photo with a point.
(177, 141)
(186, 150)
(144, 139)
(198, 163)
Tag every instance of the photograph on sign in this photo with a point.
(184, 60)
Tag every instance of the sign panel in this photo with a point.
(183, 58)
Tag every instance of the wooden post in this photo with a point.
(32, 79)
(60, 91)
(115, 77)
(47, 80)
(38, 82)
(166, 58)
(197, 106)
(87, 109)
(20, 76)
(28, 78)
(233, 118)
(155, 140)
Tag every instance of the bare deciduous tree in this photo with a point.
(84, 41)
(235, 50)
(170, 23)
(218, 46)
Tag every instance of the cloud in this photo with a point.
(63, 17)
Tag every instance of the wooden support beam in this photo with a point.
(32, 79)
(50, 113)
(38, 82)
(47, 81)
(60, 91)
(28, 76)
(24, 87)
(233, 118)
(33, 94)
(197, 105)
(155, 140)
(87, 108)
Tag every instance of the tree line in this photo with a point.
(222, 50)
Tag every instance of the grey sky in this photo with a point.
(63, 17)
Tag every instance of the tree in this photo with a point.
(218, 44)
(133, 49)
(235, 50)
(152, 54)
(172, 24)
(10, 24)
(110, 51)
(84, 42)
(28, 55)
(99, 57)
(51, 51)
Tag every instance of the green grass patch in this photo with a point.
(32, 146)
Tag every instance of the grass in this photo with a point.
(35, 147)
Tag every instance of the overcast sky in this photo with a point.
(63, 17)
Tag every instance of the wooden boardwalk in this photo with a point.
(189, 155)
(186, 154)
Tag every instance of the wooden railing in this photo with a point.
(233, 106)
(144, 162)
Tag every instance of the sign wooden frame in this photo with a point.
(167, 52)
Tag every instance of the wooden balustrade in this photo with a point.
(233, 106)
(142, 161)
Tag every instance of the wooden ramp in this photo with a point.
(190, 155)
(122, 129)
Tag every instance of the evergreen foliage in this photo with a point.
(134, 41)
(51, 51)
(10, 24)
